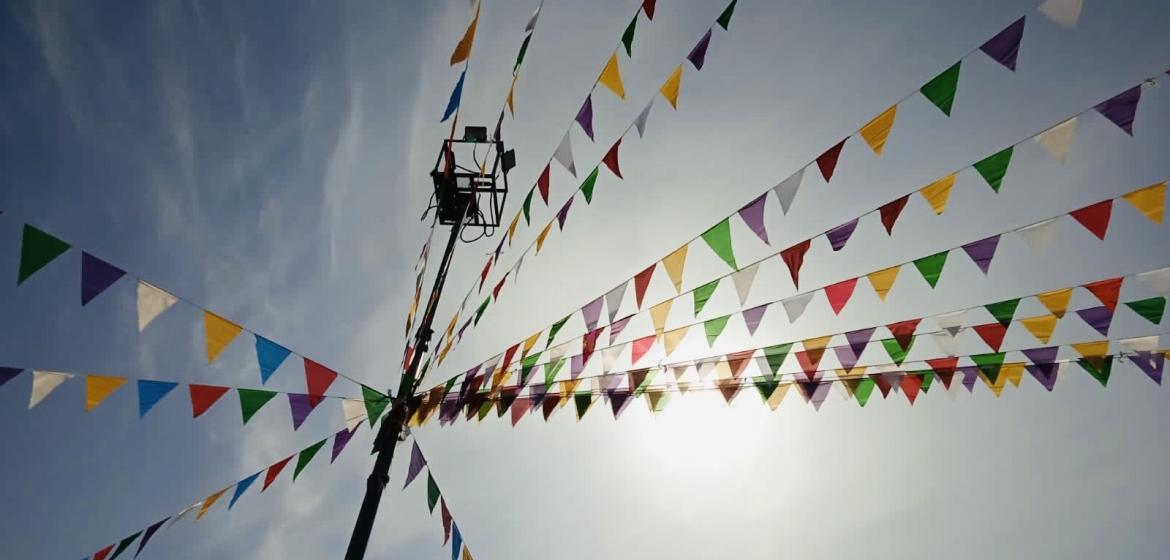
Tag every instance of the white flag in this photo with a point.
(795, 306)
(1038, 236)
(786, 190)
(354, 411)
(43, 383)
(640, 123)
(1064, 12)
(1058, 140)
(613, 300)
(151, 303)
(532, 20)
(743, 279)
(1140, 344)
(564, 155)
(1157, 280)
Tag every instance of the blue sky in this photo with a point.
(271, 165)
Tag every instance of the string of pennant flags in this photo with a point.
(902, 334)
(239, 488)
(611, 78)
(39, 248)
(1003, 48)
(98, 388)
(435, 497)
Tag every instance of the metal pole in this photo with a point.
(403, 405)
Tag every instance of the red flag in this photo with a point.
(794, 258)
(203, 396)
(103, 553)
(499, 286)
(1095, 217)
(648, 8)
(911, 384)
(588, 343)
(839, 294)
(903, 332)
(1107, 291)
(483, 275)
(944, 368)
(641, 347)
(827, 161)
(809, 360)
(641, 281)
(520, 408)
(274, 471)
(992, 334)
(318, 378)
(611, 159)
(542, 184)
(738, 361)
(446, 519)
(890, 211)
(508, 355)
(882, 383)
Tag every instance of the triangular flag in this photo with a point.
(587, 187)
(1095, 217)
(1151, 309)
(417, 462)
(840, 235)
(876, 131)
(564, 155)
(1055, 301)
(432, 493)
(752, 317)
(725, 17)
(903, 332)
(1121, 108)
(251, 400)
(714, 327)
(208, 502)
(150, 531)
(150, 392)
(203, 396)
(1003, 311)
(585, 116)
(611, 159)
(743, 280)
(989, 364)
(648, 8)
(1038, 236)
(896, 351)
(698, 54)
(1106, 291)
(96, 276)
(641, 346)
(581, 401)
(591, 313)
(992, 334)
(890, 211)
(274, 471)
(555, 328)
(1157, 280)
(463, 49)
(456, 97)
(613, 301)
(982, 251)
(938, 192)
(941, 89)
(542, 183)
(753, 217)
(241, 487)
(640, 122)
(931, 267)
(702, 294)
(671, 339)
(794, 306)
(719, 239)
(151, 303)
(659, 313)
(1099, 369)
(98, 387)
(793, 258)
(539, 242)
(827, 162)
(1064, 12)
(220, 333)
(305, 456)
(839, 294)
(786, 190)
(1100, 318)
(318, 378)
(526, 207)
(1004, 48)
(1058, 140)
(270, 355)
(611, 77)
(37, 249)
(530, 27)
(674, 264)
(628, 36)
(883, 280)
(993, 168)
(1150, 201)
(670, 88)
(1041, 326)
(104, 553)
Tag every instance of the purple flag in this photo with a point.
(815, 391)
(619, 399)
(1043, 355)
(536, 393)
(96, 276)
(499, 247)
(339, 441)
(840, 235)
(982, 252)
(610, 381)
(301, 407)
(1151, 363)
(753, 215)
(1045, 374)
(1122, 108)
(1099, 318)
(752, 317)
(858, 339)
(417, 462)
(585, 116)
(617, 327)
(7, 373)
(499, 125)
(563, 213)
(699, 54)
(448, 411)
(592, 312)
(894, 380)
(150, 531)
(970, 377)
(1005, 46)
(846, 356)
(576, 364)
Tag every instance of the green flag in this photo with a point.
(628, 36)
(37, 249)
(251, 400)
(766, 386)
(305, 456)
(552, 332)
(582, 400)
(124, 544)
(931, 267)
(376, 402)
(719, 239)
(863, 390)
(775, 355)
(432, 492)
(520, 57)
(895, 350)
(1152, 308)
(703, 294)
(446, 390)
(941, 90)
(1003, 311)
(526, 366)
(528, 206)
(927, 376)
(994, 168)
(1099, 368)
(550, 371)
(587, 186)
(714, 328)
(482, 308)
(725, 18)
(989, 364)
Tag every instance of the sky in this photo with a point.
(271, 166)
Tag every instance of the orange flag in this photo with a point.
(463, 49)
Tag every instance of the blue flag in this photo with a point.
(270, 355)
(241, 487)
(453, 104)
(150, 392)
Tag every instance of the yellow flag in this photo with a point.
(466, 554)
(208, 502)
(669, 89)
(1056, 301)
(611, 77)
(220, 333)
(1014, 372)
(658, 315)
(883, 280)
(1150, 201)
(876, 131)
(938, 192)
(814, 344)
(98, 387)
(1092, 349)
(673, 263)
(512, 228)
(1040, 326)
(529, 343)
(443, 354)
(671, 340)
(511, 95)
(540, 238)
(463, 49)
(778, 395)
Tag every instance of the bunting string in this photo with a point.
(418, 462)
